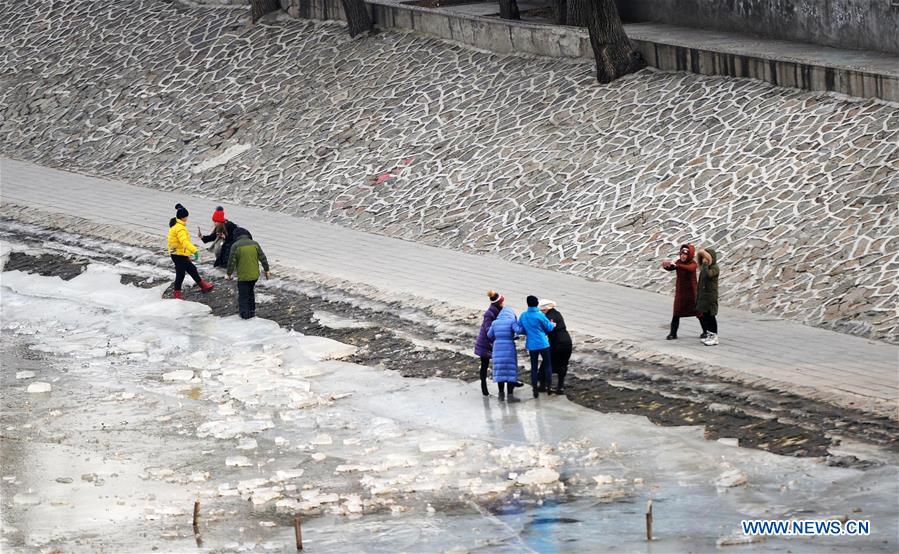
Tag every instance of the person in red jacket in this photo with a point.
(684, 288)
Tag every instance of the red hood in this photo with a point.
(690, 249)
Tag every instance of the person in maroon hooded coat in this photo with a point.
(684, 288)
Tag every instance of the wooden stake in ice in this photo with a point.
(196, 517)
(299, 533)
(649, 520)
(197, 536)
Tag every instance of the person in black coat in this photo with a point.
(559, 344)
(225, 230)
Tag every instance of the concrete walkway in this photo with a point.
(851, 371)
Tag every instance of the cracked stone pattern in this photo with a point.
(527, 159)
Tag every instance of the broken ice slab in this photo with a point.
(178, 375)
(538, 476)
(322, 440)
(441, 446)
(230, 428)
(284, 475)
(731, 478)
(39, 387)
(26, 499)
(238, 461)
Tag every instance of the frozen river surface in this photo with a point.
(154, 404)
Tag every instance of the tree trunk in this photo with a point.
(508, 9)
(305, 9)
(559, 15)
(357, 19)
(259, 8)
(615, 56)
(578, 13)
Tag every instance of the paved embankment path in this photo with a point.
(845, 369)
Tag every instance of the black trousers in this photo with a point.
(541, 374)
(246, 298)
(560, 365)
(560, 360)
(675, 323)
(184, 265)
(710, 323)
(485, 363)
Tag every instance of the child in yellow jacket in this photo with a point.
(181, 250)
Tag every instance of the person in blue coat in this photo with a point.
(536, 326)
(505, 358)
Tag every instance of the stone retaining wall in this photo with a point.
(863, 24)
(516, 37)
(527, 159)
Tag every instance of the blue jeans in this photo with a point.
(547, 368)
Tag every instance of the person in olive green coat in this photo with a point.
(707, 294)
(245, 257)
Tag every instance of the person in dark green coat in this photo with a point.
(245, 257)
(707, 294)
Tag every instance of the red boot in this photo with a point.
(205, 285)
(177, 294)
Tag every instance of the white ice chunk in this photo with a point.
(247, 444)
(316, 496)
(247, 485)
(538, 476)
(335, 321)
(731, 478)
(284, 475)
(229, 429)
(25, 375)
(237, 461)
(441, 446)
(287, 504)
(322, 348)
(129, 346)
(39, 387)
(322, 439)
(26, 499)
(178, 375)
(263, 495)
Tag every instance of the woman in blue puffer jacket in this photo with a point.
(505, 357)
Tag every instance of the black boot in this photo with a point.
(484, 390)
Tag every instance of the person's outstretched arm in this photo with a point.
(262, 259)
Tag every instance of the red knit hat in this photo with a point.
(218, 216)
